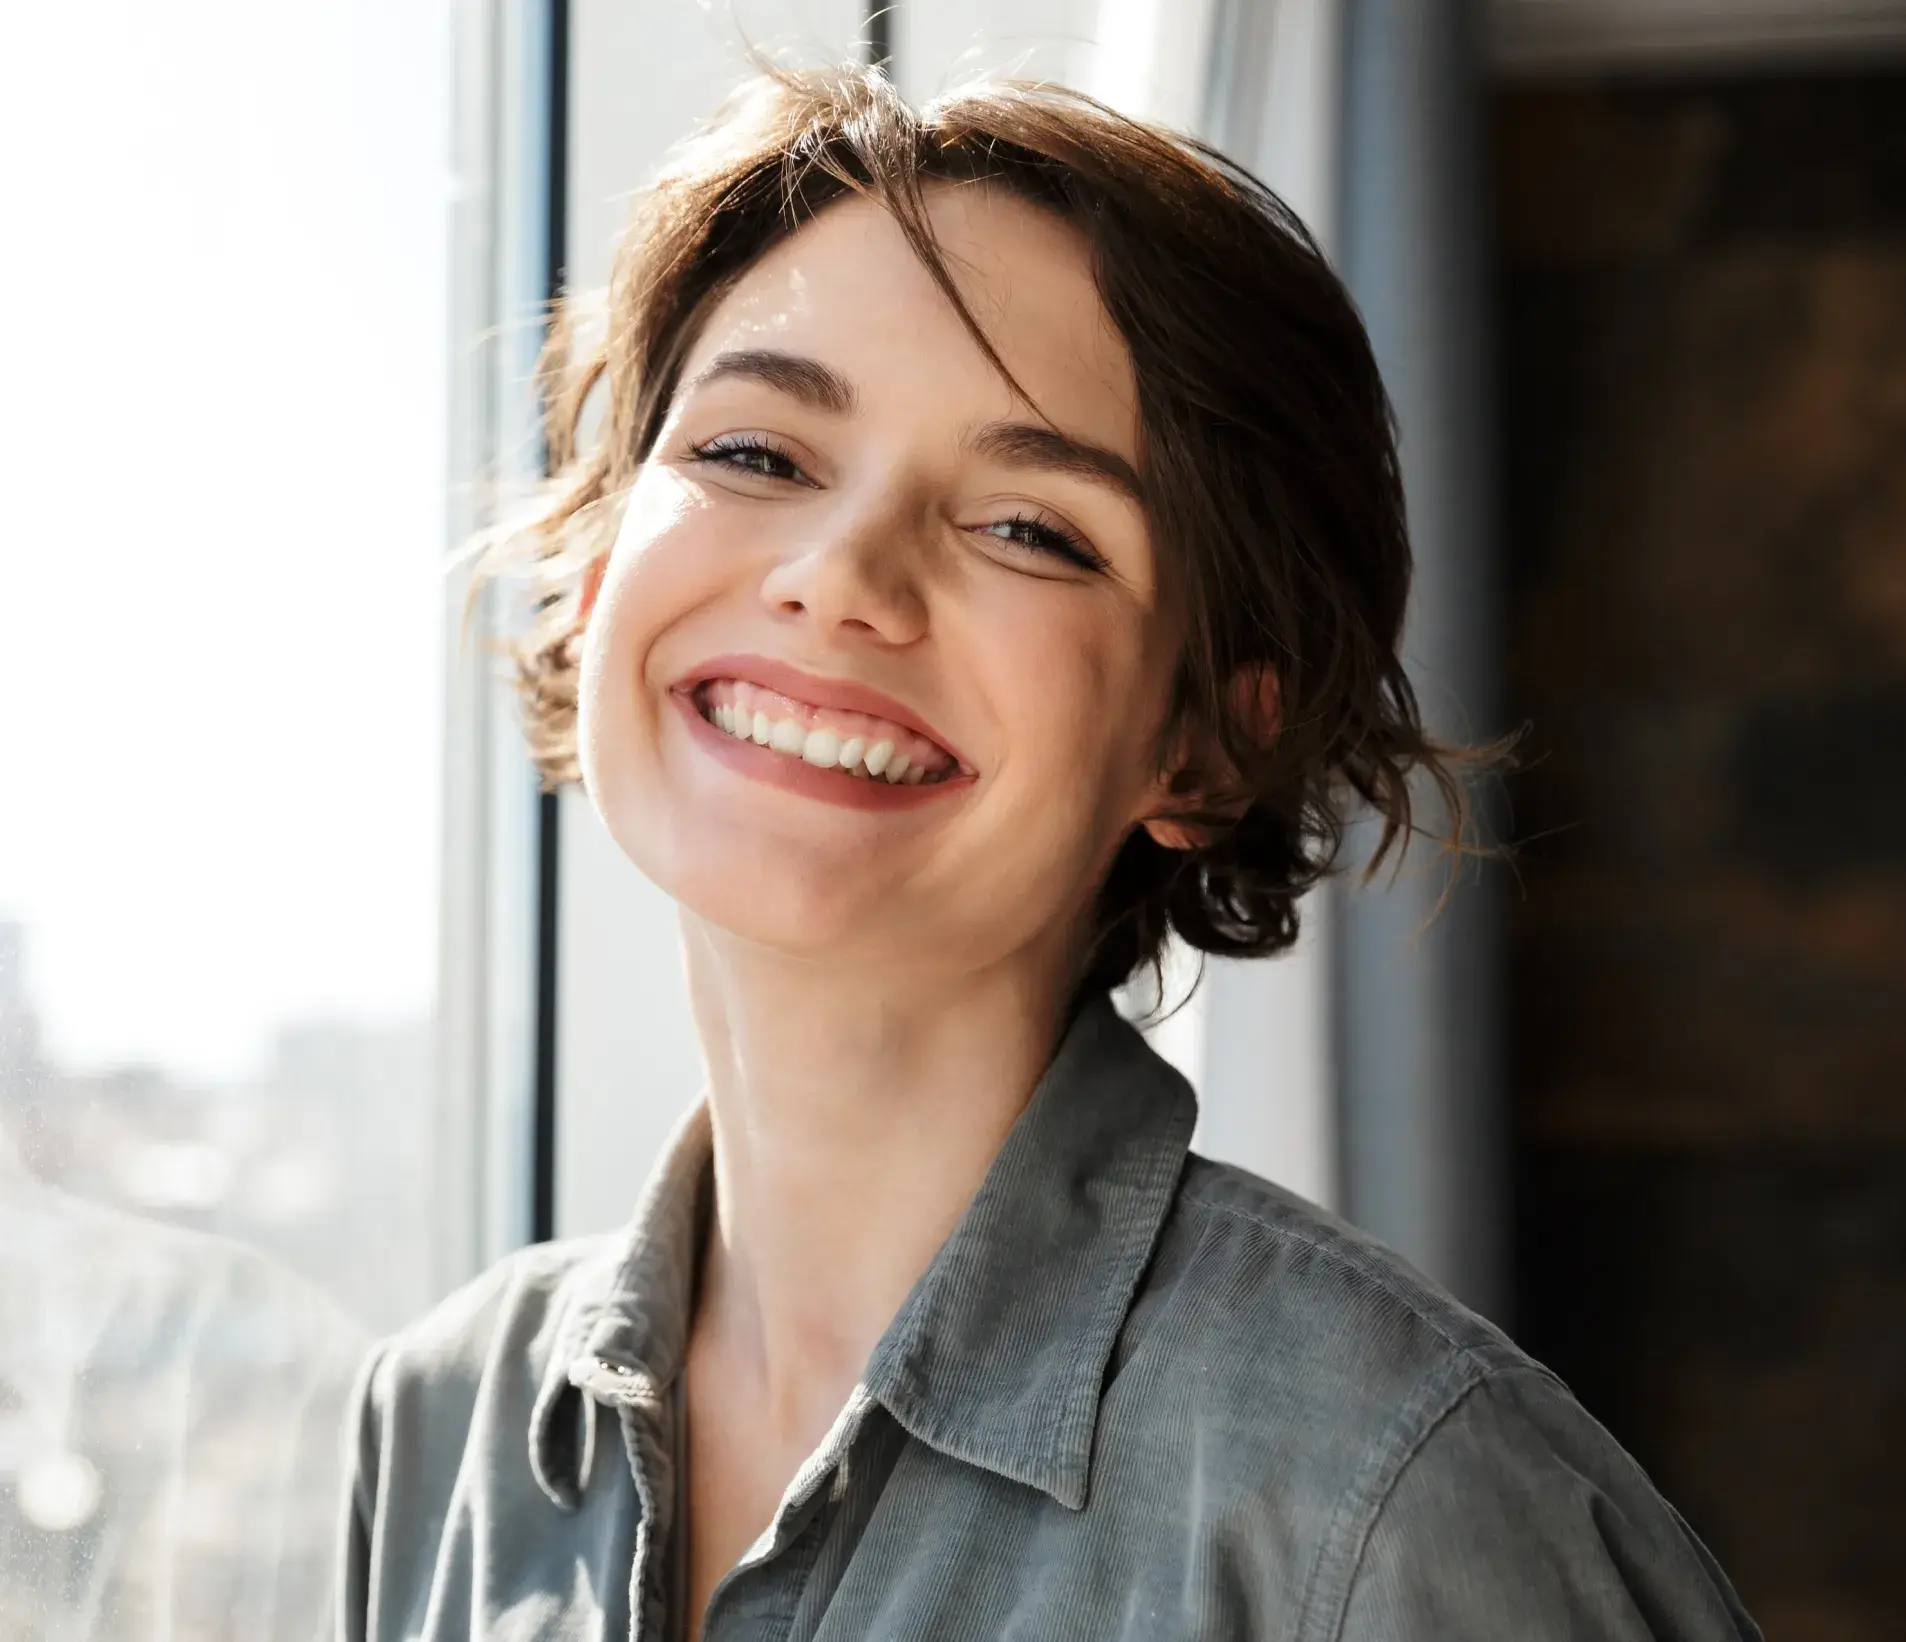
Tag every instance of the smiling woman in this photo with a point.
(992, 561)
(1184, 368)
(975, 582)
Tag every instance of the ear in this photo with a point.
(1257, 702)
(1174, 835)
(591, 586)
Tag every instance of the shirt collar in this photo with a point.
(622, 1330)
(999, 1354)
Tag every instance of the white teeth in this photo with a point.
(824, 749)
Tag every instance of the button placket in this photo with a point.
(651, 1465)
(791, 1544)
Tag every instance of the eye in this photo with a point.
(1031, 533)
(751, 453)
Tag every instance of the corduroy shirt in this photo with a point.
(1135, 1395)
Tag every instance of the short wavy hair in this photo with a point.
(1270, 476)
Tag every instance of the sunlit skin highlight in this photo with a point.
(846, 487)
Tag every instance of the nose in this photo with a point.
(856, 579)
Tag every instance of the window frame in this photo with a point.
(496, 987)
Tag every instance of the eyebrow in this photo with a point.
(807, 380)
(1015, 444)
(1023, 444)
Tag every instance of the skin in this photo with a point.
(877, 991)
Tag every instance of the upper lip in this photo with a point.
(843, 694)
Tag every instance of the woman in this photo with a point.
(991, 561)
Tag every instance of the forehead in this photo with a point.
(848, 289)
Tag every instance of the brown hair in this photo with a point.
(1272, 487)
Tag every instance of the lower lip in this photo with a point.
(797, 775)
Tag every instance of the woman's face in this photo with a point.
(878, 667)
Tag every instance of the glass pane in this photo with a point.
(222, 316)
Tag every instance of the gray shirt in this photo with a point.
(1136, 1394)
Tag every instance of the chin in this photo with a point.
(767, 910)
(809, 897)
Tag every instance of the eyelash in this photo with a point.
(731, 449)
(1049, 538)
(745, 453)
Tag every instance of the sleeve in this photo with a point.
(1518, 1516)
(358, 1530)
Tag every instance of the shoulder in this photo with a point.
(1514, 1513)
(1447, 1482)
(441, 1437)
(1284, 1289)
(493, 1341)
(1324, 1354)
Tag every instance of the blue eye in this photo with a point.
(1039, 535)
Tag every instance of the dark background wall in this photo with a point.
(1702, 335)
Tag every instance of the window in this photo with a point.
(224, 315)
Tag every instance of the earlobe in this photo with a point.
(1168, 795)
(1172, 835)
(1255, 699)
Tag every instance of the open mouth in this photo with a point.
(856, 745)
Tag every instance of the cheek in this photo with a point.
(656, 572)
(1071, 677)
(659, 548)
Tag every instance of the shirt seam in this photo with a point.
(1346, 1254)
(1326, 1605)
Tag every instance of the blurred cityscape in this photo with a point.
(189, 1275)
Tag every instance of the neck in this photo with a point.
(854, 1117)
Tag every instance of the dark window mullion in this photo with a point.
(549, 806)
(880, 33)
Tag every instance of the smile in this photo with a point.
(857, 745)
(828, 738)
